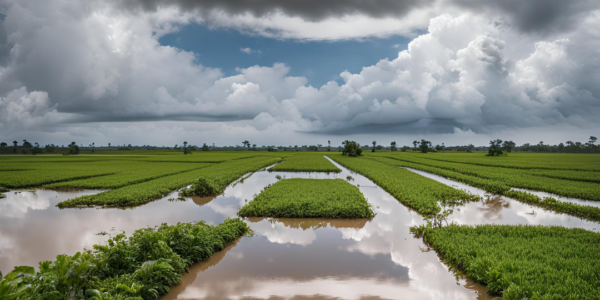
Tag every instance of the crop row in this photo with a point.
(135, 173)
(306, 163)
(514, 178)
(144, 192)
(309, 198)
(142, 267)
(523, 262)
(496, 187)
(522, 161)
(413, 190)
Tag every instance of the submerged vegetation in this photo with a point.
(515, 262)
(523, 262)
(142, 267)
(218, 177)
(309, 198)
(413, 190)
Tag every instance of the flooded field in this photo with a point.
(285, 258)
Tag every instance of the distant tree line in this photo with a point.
(496, 147)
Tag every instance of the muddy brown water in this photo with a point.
(285, 258)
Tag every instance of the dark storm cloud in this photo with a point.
(313, 10)
(433, 127)
(535, 15)
(529, 16)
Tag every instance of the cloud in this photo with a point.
(358, 18)
(68, 65)
(249, 50)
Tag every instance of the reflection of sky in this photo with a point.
(16, 205)
(285, 257)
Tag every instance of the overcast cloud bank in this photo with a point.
(479, 69)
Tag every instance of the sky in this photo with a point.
(160, 72)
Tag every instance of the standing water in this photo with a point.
(285, 258)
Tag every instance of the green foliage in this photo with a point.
(306, 163)
(220, 174)
(129, 173)
(495, 148)
(351, 148)
(492, 179)
(309, 198)
(413, 190)
(141, 267)
(214, 181)
(583, 211)
(523, 262)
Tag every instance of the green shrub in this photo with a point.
(144, 266)
(309, 198)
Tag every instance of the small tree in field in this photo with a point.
(495, 148)
(374, 145)
(351, 148)
(425, 146)
(393, 146)
(204, 147)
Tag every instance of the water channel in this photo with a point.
(285, 258)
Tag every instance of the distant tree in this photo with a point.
(175, 147)
(296, 147)
(425, 146)
(27, 144)
(93, 147)
(271, 149)
(15, 143)
(313, 148)
(393, 146)
(204, 147)
(186, 150)
(470, 148)
(109, 145)
(593, 140)
(438, 148)
(404, 148)
(374, 145)
(254, 147)
(329, 147)
(508, 146)
(351, 148)
(415, 144)
(3, 144)
(246, 143)
(496, 148)
(73, 148)
(443, 147)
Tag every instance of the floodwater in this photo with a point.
(493, 209)
(285, 258)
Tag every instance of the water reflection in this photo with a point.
(285, 258)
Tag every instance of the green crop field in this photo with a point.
(144, 192)
(515, 262)
(523, 262)
(413, 190)
(309, 198)
(306, 163)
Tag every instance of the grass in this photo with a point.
(136, 172)
(501, 187)
(306, 163)
(309, 198)
(141, 267)
(523, 262)
(145, 192)
(415, 191)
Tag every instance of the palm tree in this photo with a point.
(415, 144)
(15, 143)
